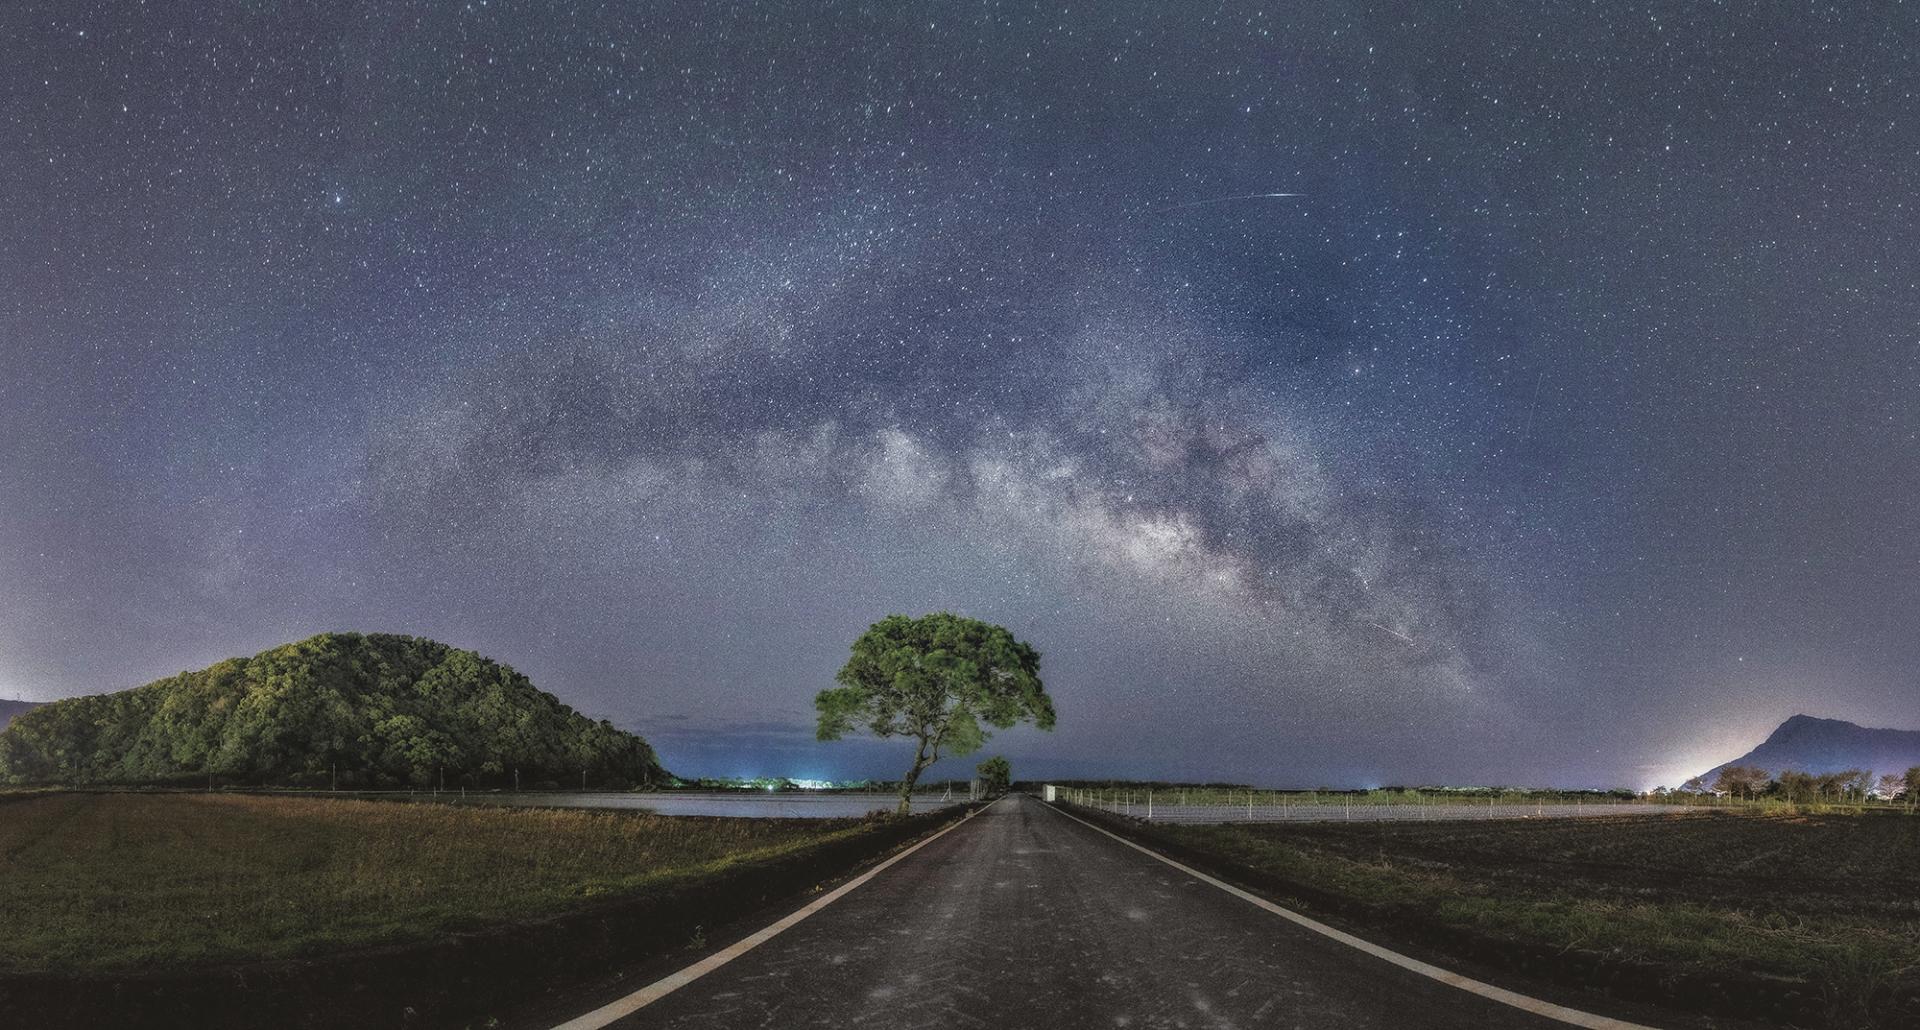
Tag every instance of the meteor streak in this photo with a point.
(1223, 200)
(1407, 640)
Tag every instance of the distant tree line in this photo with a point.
(354, 710)
(996, 775)
(1845, 786)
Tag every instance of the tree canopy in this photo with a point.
(1741, 780)
(996, 774)
(367, 710)
(941, 679)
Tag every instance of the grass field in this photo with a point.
(1831, 900)
(108, 881)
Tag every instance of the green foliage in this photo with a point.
(1803, 787)
(369, 710)
(995, 774)
(937, 679)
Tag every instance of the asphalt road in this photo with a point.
(1024, 918)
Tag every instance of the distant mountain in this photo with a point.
(1812, 745)
(369, 710)
(11, 710)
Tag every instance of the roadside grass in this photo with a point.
(1829, 900)
(94, 882)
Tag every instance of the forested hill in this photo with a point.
(375, 710)
(10, 710)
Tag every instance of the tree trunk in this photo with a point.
(920, 763)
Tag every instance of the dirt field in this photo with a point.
(1826, 904)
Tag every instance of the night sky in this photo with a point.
(1562, 430)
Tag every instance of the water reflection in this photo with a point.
(736, 805)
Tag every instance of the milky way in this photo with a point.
(1333, 394)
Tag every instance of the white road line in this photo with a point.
(1432, 972)
(627, 1006)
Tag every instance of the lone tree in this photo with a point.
(995, 774)
(935, 679)
(1797, 785)
(1741, 780)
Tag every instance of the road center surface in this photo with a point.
(1023, 918)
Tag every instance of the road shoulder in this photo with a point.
(727, 937)
(1504, 968)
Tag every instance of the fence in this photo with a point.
(1217, 806)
